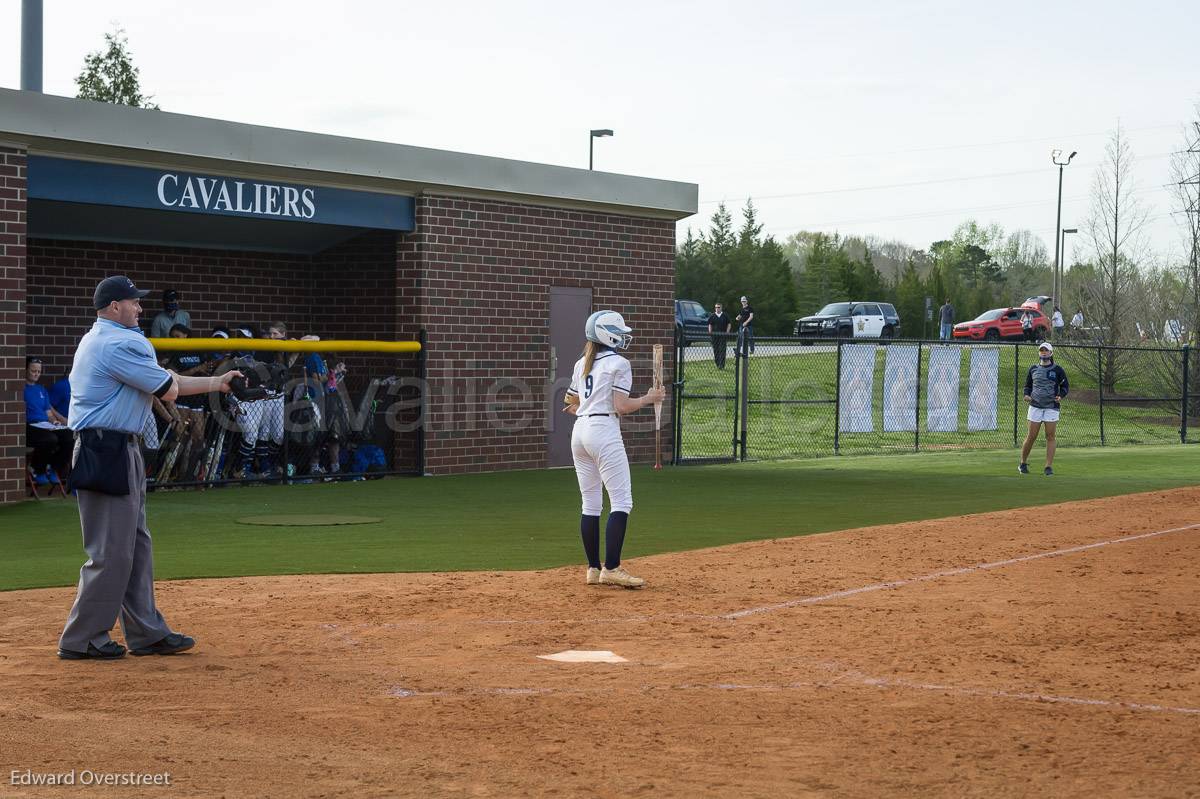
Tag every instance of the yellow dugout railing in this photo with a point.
(280, 345)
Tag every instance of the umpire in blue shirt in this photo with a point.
(113, 378)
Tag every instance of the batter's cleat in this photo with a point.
(619, 576)
(593, 576)
(1049, 472)
(1023, 468)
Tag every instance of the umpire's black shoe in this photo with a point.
(1023, 468)
(110, 651)
(175, 642)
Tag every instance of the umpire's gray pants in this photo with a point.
(118, 579)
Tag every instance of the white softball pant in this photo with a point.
(261, 420)
(601, 464)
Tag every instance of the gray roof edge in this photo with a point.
(40, 116)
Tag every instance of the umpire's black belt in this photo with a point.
(101, 433)
(599, 414)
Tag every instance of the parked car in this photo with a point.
(691, 316)
(1042, 302)
(1003, 323)
(851, 320)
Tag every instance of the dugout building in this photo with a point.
(498, 261)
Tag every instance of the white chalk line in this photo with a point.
(812, 600)
(853, 679)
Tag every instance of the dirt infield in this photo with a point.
(1051, 651)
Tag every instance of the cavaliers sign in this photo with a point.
(215, 194)
(175, 191)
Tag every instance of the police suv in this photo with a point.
(851, 320)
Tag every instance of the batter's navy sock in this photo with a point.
(260, 455)
(246, 455)
(589, 530)
(614, 537)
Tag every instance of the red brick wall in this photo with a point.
(484, 295)
(476, 275)
(216, 287)
(354, 297)
(12, 325)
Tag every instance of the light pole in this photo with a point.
(1063, 250)
(596, 134)
(1056, 278)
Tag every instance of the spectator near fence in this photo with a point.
(1027, 325)
(718, 326)
(267, 450)
(169, 316)
(946, 321)
(745, 320)
(190, 409)
(1056, 322)
(45, 428)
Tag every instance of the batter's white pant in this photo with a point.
(601, 464)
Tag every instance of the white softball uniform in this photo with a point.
(260, 420)
(596, 445)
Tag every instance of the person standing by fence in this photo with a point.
(946, 321)
(1045, 387)
(745, 319)
(718, 327)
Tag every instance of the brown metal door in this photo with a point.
(569, 310)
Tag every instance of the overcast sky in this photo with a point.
(899, 119)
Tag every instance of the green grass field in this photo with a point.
(809, 375)
(529, 520)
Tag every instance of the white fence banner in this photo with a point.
(900, 389)
(985, 374)
(941, 394)
(857, 384)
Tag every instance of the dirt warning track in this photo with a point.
(1042, 652)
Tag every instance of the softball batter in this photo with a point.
(600, 391)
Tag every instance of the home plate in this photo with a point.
(584, 656)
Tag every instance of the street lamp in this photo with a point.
(1063, 249)
(596, 134)
(1056, 278)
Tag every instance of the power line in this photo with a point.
(927, 149)
(952, 211)
(911, 184)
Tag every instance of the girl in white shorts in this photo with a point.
(1045, 386)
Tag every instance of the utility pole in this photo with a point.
(1056, 278)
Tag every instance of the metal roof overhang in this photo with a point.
(87, 130)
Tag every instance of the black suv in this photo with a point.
(851, 320)
(691, 316)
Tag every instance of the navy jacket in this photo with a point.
(1044, 383)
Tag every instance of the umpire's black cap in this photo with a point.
(114, 289)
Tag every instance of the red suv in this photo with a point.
(1003, 323)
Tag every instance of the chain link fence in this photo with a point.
(792, 398)
(322, 417)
